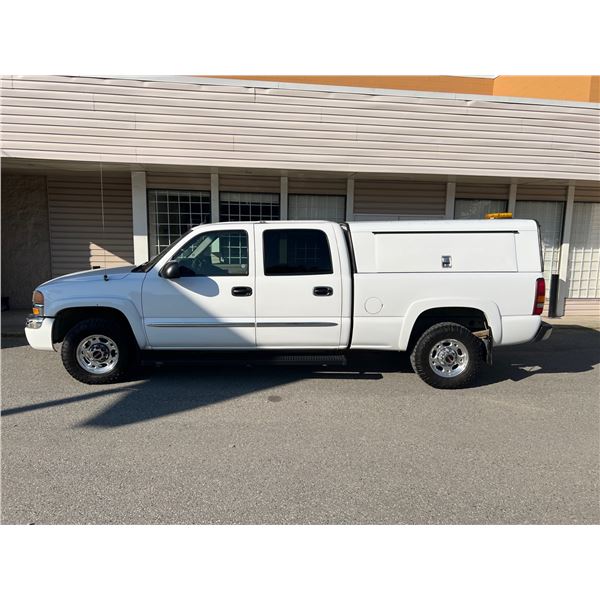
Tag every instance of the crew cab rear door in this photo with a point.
(298, 286)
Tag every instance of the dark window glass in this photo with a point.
(215, 253)
(296, 252)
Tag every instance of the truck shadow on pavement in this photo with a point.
(164, 391)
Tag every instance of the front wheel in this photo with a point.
(97, 351)
(448, 356)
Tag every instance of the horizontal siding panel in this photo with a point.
(78, 240)
(335, 187)
(277, 100)
(541, 192)
(235, 183)
(179, 123)
(268, 110)
(313, 129)
(585, 193)
(249, 111)
(199, 182)
(588, 307)
(468, 191)
(399, 197)
(262, 98)
(349, 147)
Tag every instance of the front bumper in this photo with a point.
(543, 333)
(38, 331)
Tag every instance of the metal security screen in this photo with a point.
(584, 254)
(310, 206)
(173, 212)
(248, 206)
(477, 209)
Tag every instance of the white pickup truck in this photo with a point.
(298, 291)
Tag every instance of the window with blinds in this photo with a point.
(173, 212)
(549, 215)
(312, 206)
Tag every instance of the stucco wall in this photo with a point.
(25, 237)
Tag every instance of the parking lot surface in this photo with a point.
(302, 445)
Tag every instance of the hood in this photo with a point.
(93, 275)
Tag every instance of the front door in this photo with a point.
(212, 304)
(298, 286)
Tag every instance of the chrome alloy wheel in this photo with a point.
(449, 358)
(97, 354)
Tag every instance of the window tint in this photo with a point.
(215, 253)
(296, 252)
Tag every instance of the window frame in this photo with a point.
(219, 232)
(295, 229)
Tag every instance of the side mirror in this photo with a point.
(171, 270)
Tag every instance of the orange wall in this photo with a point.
(584, 88)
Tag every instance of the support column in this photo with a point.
(450, 197)
(512, 199)
(283, 198)
(139, 205)
(563, 264)
(350, 199)
(214, 197)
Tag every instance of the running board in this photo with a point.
(182, 357)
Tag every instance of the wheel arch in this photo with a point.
(423, 314)
(68, 316)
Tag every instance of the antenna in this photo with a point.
(103, 225)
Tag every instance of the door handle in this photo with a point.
(241, 291)
(323, 291)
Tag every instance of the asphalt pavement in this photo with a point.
(365, 444)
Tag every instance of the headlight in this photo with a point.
(38, 303)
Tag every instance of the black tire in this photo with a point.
(105, 329)
(475, 355)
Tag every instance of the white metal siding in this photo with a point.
(77, 239)
(165, 122)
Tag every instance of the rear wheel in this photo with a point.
(97, 351)
(448, 356)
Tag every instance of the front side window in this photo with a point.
(296, 252)
(214, 254)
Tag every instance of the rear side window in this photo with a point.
(296, 252)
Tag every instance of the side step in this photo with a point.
(206, 358)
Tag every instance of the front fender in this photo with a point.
(489, 309)
(124, 305)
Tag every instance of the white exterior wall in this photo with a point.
(221, 125)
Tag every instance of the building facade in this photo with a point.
(99, 171)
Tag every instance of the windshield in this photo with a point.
(145, 267)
